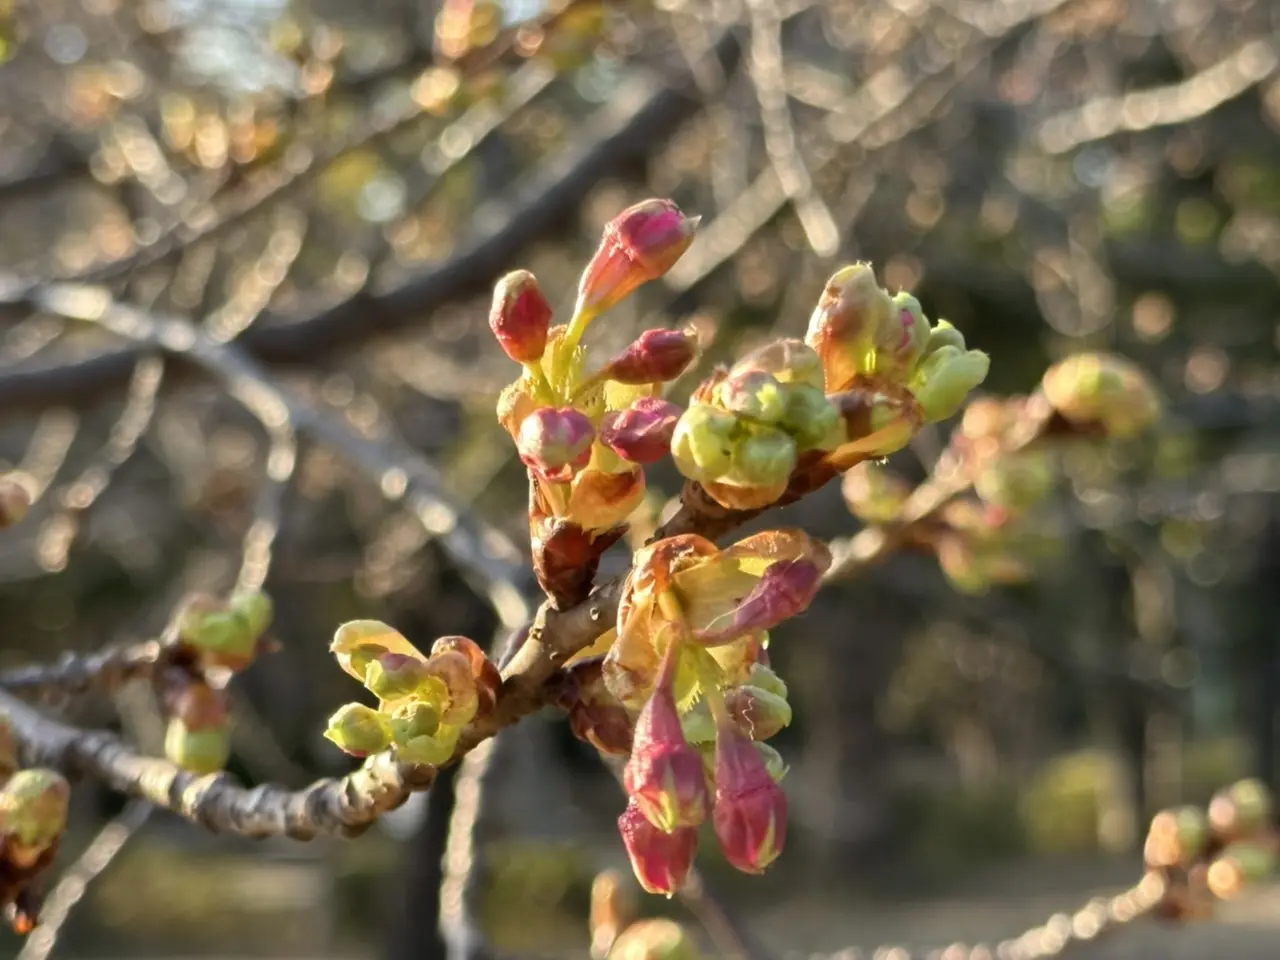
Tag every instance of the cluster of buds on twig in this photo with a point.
(209, 640)
(1202, 856)
(784, 420)
(33, 817)
(682, 686)
(584, 435)
(616, 934)
(424, 702)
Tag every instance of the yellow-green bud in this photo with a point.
(396, 676)
(256, 608)
(33, 810)
(945, 379)
(197, 751)
(359, 730)
(943, 334)
(655, 939)
(903, 338)
(701, 445)
(812, 419)
(764, 458)
(420, 737)
(754, 394)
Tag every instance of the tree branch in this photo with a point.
(77, 673)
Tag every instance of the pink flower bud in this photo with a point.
(751, 810)
(661, 861)
(664, 776)
(555, 443)
(785, 590)
(655, 357)
(520, 317)
(640, 244)
(642, 432)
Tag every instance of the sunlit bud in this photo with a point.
(701, 443)
(358, 642)
(754, 394)
(1241, 810)
(420, 737)
(1015, 481)
(664, 775)
(8, 749)
(873, 494)
(903, 339)
(944, 334)
(395, 676)
(790, 361)
(844, 326)
(555, 443)
(601, 499)
(454, 670)
(641, 433)
(218, 631)
(812, 419)
(515, 403)
(257, 609)
(640, 244)
(1176, 838)
(1239, 865)
(661, 861)
(359, 730)
(764, 458)
(33, 809)
(656, 356)
(750, 812)
(483, 670)
(1105, 389)
(759, 713)
(199, 751)
(655, 939)
(520, 317)
(15, 501)
(785, 590)
(612, 911)
(945, 378)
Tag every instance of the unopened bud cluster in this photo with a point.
(1104, 391)
(583, 434)
(686, 673)
(424, 702)
(210, 638)
(33, 818)
(1200, 856)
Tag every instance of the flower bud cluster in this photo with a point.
(585, 436)
(1103, 391)
(424, 702)
(33, 818)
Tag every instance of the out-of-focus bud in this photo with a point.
(812, 419)
(520, 317)
(359, 730)
(8, 750)
(1240, 811)
(873, 494)
(903, 339)
(33, 814)
(785, 590)
(1104, 389)
(1176, 838)
(200, 751)
(944, 379)
(701, 444)
(256, 608)
(764, 458)
(661, 861)
(960, 565)
(396, 676)
(664, 775)
(1016, 481)
(201, 707)
(641, 433)
(754, 394)
(758, 712)
(1238, 866)
(420, 737)
(595, 715)
(655, 939)
(845, 325)
(750, 814)
(15, 501)
(640, 244)
(221, 633)
(555, 443)
(612, 911)
(943, 334)
(656, 356)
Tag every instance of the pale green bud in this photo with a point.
(765, 458)
(701, 443)
(945, 379)
(359, 730)
(812, 419)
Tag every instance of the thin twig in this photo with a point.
(462, 864)
(77, 673)
(75, 880)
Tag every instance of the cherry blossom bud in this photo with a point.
(790, 361)
(33, 814)
(772, 760)
(845, 324)
(462, 701)
(873, 494)
(641, 433)
(420, 737)
(1240, 811)
(812, 419)
(359, 730)
(664, 776)
(701, 444)
(200, 751)
(200, 707)
(655, 939)
(595, 715)
(640, 244)
(945, 378)
(1104, 389)
(520, 317)
(555, 443)
(1238, 866)
(764, 458)
(785, 590)
(15, 501)
(612, 911)
(256, 608)
(750, 813)
(661, 861)
(758, 712)
(754, 394)
(656, 356)
(944, 334)
(903, 339)
(1176, 838)
(223, 635)
(395, 676)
